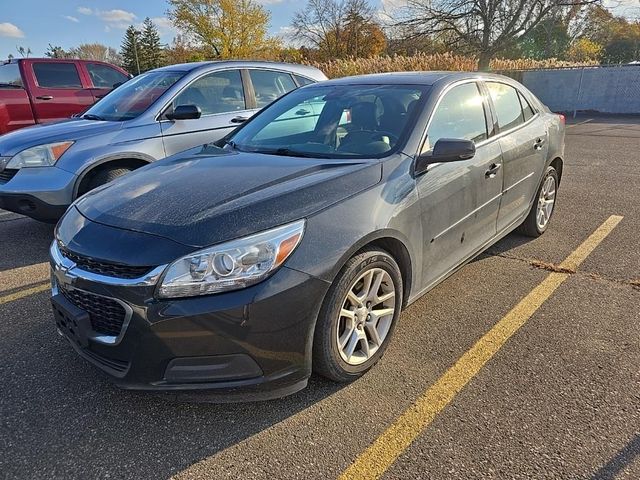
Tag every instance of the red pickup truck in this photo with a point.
(34, 90)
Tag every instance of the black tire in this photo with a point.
(327, 360)
(530, 226)
(105, 176)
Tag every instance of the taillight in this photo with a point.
(562, 119)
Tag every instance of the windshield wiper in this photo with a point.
(287, 152)
(91, 116)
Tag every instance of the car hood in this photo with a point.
(73, 129)
(203, 197)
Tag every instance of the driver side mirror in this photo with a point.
(184, 112)
(446, 150)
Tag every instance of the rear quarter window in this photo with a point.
(507, 104)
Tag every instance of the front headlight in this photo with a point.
(232, 265)
(40, 156)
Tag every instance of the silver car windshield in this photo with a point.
(133, 97)
(339, 121)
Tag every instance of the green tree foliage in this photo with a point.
(150, 46)
(130, 50)
(55, 51)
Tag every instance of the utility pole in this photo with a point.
(135, 50)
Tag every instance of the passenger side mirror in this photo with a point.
(184, 112)
(446, 150)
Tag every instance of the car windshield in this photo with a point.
(334, 121)
(133, 97)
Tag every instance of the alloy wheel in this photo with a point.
(546, 200)
(366, 316)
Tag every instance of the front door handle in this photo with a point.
(539, 143)
(493, 169)
(239, 119)
(45, 97)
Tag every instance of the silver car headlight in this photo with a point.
(231, 265)
(39, 156)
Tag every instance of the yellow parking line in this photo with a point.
(383, 452)
(25, 293)
(19, 276)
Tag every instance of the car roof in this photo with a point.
(411, 78)
(49, 59)
(305, 70)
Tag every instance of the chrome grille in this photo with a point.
(109, 269)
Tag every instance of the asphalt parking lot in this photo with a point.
(559, 397)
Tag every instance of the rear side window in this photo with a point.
(270, 85)
(10, 76)
(507, 104)
(460, 114)
(57, 75)
(103, 76)
(302, 81)
(526, 107)
(218, 92)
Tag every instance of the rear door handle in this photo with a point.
(239, 119)
(45, 97)
(539, 143)
(493, 169)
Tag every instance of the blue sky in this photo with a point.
(69, 23)
(36, 23)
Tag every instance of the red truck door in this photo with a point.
(58, 89)
(15, 109)
(103, 77)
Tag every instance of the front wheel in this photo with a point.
(538, 218)
(104, 176)
(358, 316)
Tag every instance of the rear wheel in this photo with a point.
(358, 316)
(539, 216)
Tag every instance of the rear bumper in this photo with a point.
(43, 193)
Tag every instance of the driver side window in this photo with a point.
(218, 92)
(460, 115)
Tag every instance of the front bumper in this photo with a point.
(43, 193)
(248, 344)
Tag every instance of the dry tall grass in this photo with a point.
(425, 62)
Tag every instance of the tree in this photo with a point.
(95, 51)
(339, 28)
(55, 52)
(152, 54)
(584, 50)
(225, 28)
(480, 27)
(182, 51)
(24, 52)
(130, 50)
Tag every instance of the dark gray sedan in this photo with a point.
(152, 116)
(294, 243)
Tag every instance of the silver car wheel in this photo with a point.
(546, 201)
(366, 316)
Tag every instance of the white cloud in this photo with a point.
(85, 11)
(10, 30)
(71, 18)
(116, 16)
